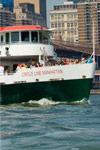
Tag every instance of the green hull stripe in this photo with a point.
(63, 91)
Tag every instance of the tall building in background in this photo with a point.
(63, 21)
(43, 8)
(89, 12)
(8, 4)
(40, 5)
(7, 18)
(25, 15)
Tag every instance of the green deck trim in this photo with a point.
(63, 91)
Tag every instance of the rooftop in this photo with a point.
(17, 28)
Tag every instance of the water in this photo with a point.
(51, 126)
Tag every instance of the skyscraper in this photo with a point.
(89, 13)
(25, 15)
(7, 18)
(40, 6)
(7, 4)
(43, 8)
(63, 22)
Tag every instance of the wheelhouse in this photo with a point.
(24, 34)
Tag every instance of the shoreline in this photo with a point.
(93, 92)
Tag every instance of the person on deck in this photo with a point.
(23, 66)
(47, 63)
(33, 64)
(7, 70)
(66, 62)
(89, 60)
(18, 67)
(1, 69)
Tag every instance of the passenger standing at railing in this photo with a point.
(23, 66)
(89, 60)
(7, 70)
(18, 67)
(47, 63)
(1, 69)
(66, 62)
(33, 64)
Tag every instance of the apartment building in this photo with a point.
(39, 6)
(64, 22)
(25, 15)
(8, 4)
(89, 14)
(7, 18)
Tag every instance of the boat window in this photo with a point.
(34, 37)
(7, 37)
(1, 39)
(40, 37)
(15, 36)
(25, 36)
(44, 37)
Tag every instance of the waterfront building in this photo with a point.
(8, 4)
(25, 15)
(96, 82)
(63, 22)
(40, 6)
(7, 18)
(89, 12)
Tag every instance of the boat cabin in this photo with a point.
(21, 44)
(31, 34)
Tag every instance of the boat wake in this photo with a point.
(47, 102)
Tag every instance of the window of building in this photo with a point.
(88, 35)
(7, 38)
(68, 15)
(58, 16)
(55, 25)
(75, 23)
(52, 25)
(14, 36)
(96, 78)
(52, 17)
(98, 6)
(98, 14)
(68, 32)
(55, 16)
(71, 24)
(34, 37)
(62, 16)
(59, 25)
(63, 24)
(68, 24)
(74, 15)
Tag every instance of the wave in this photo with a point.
(47, 102)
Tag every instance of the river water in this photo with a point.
(51, 126)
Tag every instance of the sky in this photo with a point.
(50, 4)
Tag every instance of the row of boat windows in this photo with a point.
(25, 36)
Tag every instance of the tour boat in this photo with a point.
(62, 83)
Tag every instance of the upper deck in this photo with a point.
(25, 40)
(16, 34)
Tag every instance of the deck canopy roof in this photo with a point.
(22, 28)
